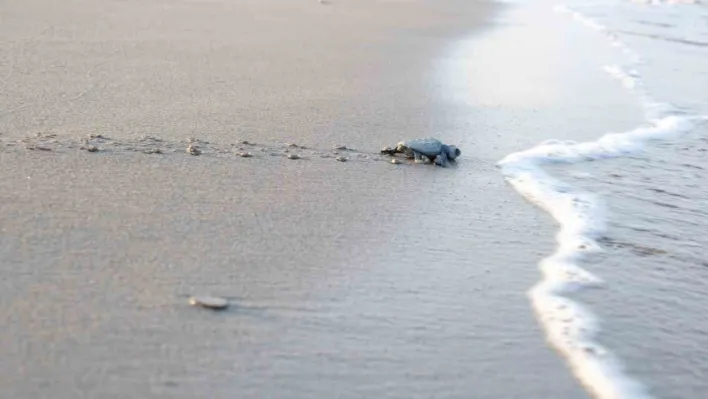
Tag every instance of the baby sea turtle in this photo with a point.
(433, 149)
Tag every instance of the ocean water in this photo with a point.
(622, 297)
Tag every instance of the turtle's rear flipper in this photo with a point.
(420, 158)
(388, 151)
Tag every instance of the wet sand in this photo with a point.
(353, 279)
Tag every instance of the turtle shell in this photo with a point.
(429, 147)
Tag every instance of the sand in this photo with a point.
(355, 279)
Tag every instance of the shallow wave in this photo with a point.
(570, 327)
(666, 38)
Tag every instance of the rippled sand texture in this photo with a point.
(346, 279)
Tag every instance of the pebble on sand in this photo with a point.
(245, 155)
(92, 148)
(340, 147)
(342, 159)
(293, 156)
(209, 302)
(395, 161)
(193, 150)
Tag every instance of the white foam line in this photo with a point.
(570, 327)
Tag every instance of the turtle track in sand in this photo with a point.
(152, 145)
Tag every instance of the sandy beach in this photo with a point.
(352, 279)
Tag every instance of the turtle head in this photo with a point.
(452, 152)
(401, 147)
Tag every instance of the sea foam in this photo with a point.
(570, 327)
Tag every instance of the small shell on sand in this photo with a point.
(395, 161)
(245, 155)
(342, 159)
(209, 302)
(293, 156)
(193, 150)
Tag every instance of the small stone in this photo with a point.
(246, 142)
(293, 156)
(148, 138)
(153, 151)
(342, 159)
(291, 145)
(245, 155)
(395, 161)
(209, 302)
(92, 148)
(193, 150)
(95, 136)
(341, 147)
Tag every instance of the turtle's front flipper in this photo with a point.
(442, 160)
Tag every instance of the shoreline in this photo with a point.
(361, 278)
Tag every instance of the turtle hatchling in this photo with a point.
(431, 148)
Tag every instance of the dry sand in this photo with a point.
(348, 280)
